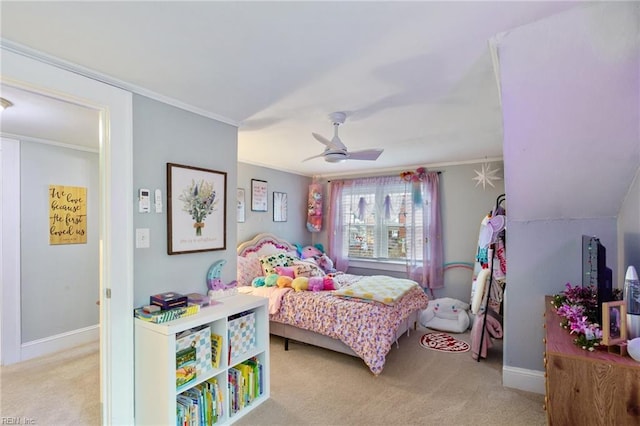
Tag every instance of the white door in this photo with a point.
(27, 70)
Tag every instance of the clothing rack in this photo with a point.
(501, 199)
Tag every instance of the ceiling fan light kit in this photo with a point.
(335, 157)
(336, 151)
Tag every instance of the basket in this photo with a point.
(201, 341)
(242, 333)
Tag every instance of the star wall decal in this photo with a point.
(486, 176)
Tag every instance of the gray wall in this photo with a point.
(548, 117)
(295, 186)
(164, 134)
(56, 278)
(542, 256)
(629, 229)
(463, 205)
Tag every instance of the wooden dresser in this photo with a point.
(587, 388)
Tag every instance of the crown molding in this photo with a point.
(103, 78)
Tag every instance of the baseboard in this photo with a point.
(526, 380)
(59, 342)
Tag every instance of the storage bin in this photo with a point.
(201, 341)
(242, 333)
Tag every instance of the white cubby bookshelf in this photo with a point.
(155, 359)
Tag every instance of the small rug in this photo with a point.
(443, 342)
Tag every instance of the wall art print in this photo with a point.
(240, 207)
(67, 215)
(259, 195)
(197, 205)
(279, 206)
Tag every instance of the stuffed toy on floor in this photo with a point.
(446, 314)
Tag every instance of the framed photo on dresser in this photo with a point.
(614, 323)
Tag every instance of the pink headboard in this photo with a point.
(264, 244)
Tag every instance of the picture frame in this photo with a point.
(259, 195)
(196, 209)
(240, 207)
(614, 322)
(279, 206)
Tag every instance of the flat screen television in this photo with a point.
(595, 271)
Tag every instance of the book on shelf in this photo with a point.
(257, 380)
(216, 350)
(200, 405)
(185, 366)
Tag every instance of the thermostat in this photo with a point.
(144, 204)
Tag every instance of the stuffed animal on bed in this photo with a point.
(284, 281)
(316, 284)
(446, 314)
(321, 283)
(258, 282)
(325, 263)
(327, 281)
(309, 252)
(271, 280)
(300, 283)
(316, 254)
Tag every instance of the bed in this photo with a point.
(355, 326)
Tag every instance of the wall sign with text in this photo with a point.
(67, 215)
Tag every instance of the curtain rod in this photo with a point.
(359, 177)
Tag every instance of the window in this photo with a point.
(377, 220)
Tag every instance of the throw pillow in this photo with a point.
(307, 269)
(248, 269)
(270, 262)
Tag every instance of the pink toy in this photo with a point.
(328, 283)
(316, 284)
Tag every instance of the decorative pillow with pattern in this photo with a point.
(270, 262)
(307, 269)
(248, 269)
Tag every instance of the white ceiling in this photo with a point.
(414, 78)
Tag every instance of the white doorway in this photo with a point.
(27, 70)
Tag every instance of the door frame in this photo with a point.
(42, 74)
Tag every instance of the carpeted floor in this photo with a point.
(418, 386)
(57, 389)
(309, 386)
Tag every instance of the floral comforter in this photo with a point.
(367, 327)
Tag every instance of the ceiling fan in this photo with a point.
(336, 151)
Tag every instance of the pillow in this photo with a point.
(285, 271)
(270, 262)
(307, 269)
(248, 269)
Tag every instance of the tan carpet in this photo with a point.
(418, 386)
(309, 386)
(57, 389)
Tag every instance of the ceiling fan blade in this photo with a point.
(311, 158)
(323, 140)
(334, 143)
(366, 154)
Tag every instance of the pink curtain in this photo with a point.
(430, 272)
(335, 226)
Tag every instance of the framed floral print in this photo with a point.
(197, 206)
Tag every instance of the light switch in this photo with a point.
(142, 238)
